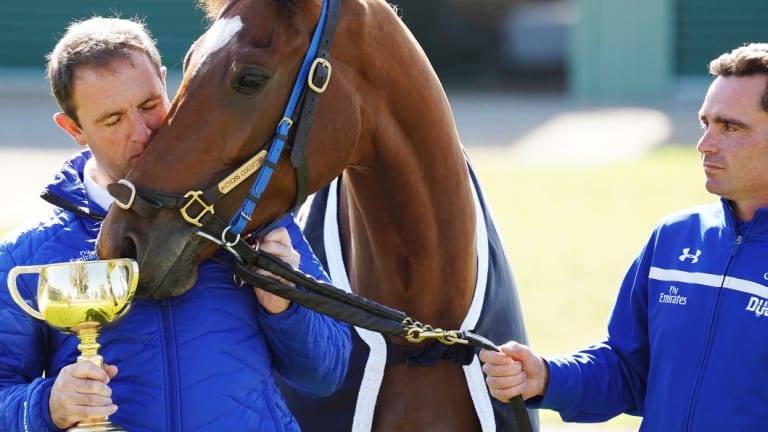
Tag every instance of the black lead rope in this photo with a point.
(325, 299)
(353, 309)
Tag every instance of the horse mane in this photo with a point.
(212, 8)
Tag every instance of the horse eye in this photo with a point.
(249, 82)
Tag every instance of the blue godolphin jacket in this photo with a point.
(686, 346)
(202, 361)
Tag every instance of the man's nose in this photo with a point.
(707, 142)
(141, 130)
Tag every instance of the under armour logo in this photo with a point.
(687, 254)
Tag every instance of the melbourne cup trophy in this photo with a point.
(81, 297)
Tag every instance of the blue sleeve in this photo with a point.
(310, 350)
(609, 378)
(23, 393)
(309, 263)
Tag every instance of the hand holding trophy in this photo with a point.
(80, 298)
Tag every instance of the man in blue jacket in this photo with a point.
(686, 346)
(202, 361)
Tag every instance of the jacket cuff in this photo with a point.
(37, 416)
(560, 390)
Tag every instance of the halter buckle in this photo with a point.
(194, 196)
(326, 77)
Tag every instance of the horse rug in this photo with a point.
(494, 313)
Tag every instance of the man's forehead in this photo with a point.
(736, 100)
(86, 74)
(741, 89)
(100, 91)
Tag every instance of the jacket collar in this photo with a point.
(67, 189)
(757, 226)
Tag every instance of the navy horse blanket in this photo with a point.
(494, 313)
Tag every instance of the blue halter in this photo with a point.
(196, 207)
(311, 61)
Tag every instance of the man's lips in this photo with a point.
(711, 167)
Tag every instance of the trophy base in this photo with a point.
(96, 425)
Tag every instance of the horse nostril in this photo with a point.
(124, 248)
(128, 248)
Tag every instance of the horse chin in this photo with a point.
(180, 278)
(168, 275)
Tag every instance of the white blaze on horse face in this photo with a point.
(221, 32)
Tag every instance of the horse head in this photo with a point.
(225, 161)
(222, 129)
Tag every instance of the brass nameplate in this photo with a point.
(242, 173)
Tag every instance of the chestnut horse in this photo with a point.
(409, 223)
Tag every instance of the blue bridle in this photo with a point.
(310, 63)
(311, 81)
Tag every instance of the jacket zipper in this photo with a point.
(171, 367)
(713, 320)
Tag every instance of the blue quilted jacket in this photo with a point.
(203, 361)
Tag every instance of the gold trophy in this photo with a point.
(80, 298)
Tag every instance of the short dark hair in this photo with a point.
(747, 60)
(95, 42)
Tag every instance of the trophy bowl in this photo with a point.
(81, 298)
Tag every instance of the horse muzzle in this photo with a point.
(167, 258)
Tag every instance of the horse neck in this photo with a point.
(411, 220)
(410, 229)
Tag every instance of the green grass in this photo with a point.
(571, 233)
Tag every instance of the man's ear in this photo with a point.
(69, 125)
(163, 76)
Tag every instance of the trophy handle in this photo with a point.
(131, 268)
(12, 275)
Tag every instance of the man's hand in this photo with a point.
(278, 243)
(80, 392)
(515, 371)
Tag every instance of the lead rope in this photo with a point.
(336, 303)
